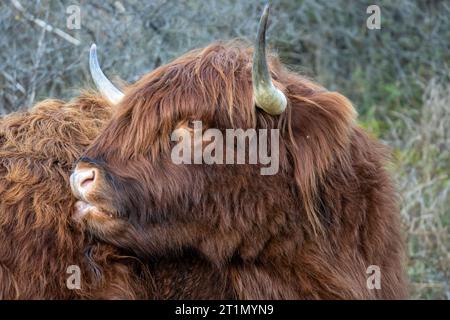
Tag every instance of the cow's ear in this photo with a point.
(106, 88)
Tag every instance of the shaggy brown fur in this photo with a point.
(309, 231)
(37, 241)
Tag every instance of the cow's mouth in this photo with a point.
(84, 209)
(84, 181)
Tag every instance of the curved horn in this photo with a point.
(267, 96)
(106, 88)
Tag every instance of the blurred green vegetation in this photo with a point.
(397, 78)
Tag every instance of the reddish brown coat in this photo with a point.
(310, 231)
(38, 242)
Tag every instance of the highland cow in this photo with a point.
(310, 231)
(39, 241)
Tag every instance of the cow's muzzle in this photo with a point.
(83, 181)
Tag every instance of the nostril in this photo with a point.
(84, 179)
(88, 179)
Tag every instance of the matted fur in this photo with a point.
(310, 231)
(38, 242)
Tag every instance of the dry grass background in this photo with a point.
(397, 77)
(422, 170)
